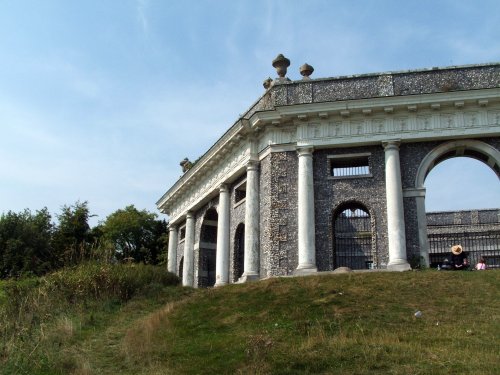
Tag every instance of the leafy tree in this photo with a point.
(135, 235)
(25, 243)
(73, 238)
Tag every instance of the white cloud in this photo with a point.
(142, 7)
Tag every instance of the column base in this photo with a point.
(245, 278)
(307, 269)
(220, 284)
(399, 265)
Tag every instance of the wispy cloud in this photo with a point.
(142, 7)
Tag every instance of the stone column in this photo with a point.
(188, 270)
(306, 227)
(222, 255)
(172, 249)
(252, 221)
(395, 210)
(422, 227)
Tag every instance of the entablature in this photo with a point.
(458, 114)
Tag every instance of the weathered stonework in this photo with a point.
(403, 123)
(282, 216)
(331, 193)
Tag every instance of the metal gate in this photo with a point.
(353, 239)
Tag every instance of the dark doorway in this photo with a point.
(352, 238)
(239, 252)
(181, 267)
(208, 246)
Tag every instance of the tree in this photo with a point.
(25, 243)
(73, 238)
(135, 235)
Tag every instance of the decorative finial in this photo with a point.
(306, 70)
(267, 82)
(281, 63)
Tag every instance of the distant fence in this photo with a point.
(477, 231)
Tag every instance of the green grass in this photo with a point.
(64, 322)
(2, 292)
(357, 323)
(350, 324)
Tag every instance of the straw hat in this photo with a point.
(456, 249)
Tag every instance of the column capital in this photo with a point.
(253, 165)
(172, 228)
(414, 192)
(305, 150)
(223, 188)
(392, 144)
(190, 215)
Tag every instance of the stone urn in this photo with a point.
(267, 83)
(281, 63)
(306, 70)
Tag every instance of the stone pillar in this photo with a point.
(222, 255)
(172, 249)
(252, 221)
(306, 227)
(188, 270)
(395, 210)
(422, 227)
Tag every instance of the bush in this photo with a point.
(98, 281)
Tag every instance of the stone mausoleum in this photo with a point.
(327, 173)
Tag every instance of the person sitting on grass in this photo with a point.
(481, 265)
(458, 258)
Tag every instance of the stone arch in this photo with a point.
(475, 149)
(208, 246)
(239, 252)
(470, 148)
(353, 236)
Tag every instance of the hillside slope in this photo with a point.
(357, 323)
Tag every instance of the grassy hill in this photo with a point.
(356, 323)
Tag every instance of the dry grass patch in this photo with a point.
(138, 343)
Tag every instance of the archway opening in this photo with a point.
(208, 246)
(352, 237)
(181, 267)
(239, 252)
(462, 206)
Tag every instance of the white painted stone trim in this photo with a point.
(306, 223)
(172, 249)
(395, 209)
(222, 252)
(188, 267)
(465, 114)
(252, 224)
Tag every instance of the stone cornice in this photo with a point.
(231, 139)
(367, 109)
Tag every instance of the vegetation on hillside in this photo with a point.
(356, 323)
(45, 322)
(31, 244)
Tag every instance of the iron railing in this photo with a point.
(485, 244)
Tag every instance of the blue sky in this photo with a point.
(100, 100)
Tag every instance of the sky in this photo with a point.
(101, 99)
